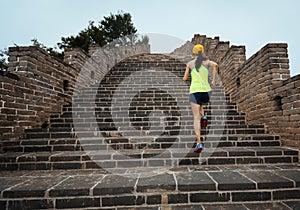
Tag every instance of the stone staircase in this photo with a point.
(126, 143)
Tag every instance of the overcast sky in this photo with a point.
(250, 23)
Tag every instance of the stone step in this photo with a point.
(73, 144)
(167, 125)
(193, 187)
(144, 158)
(144, 130)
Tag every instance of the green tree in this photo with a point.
(52, 51)
(117, 26)
(114, 29)
(144, 40)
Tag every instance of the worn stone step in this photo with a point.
(130, 142)
(191, 187)
(143, 158)
(52, 146)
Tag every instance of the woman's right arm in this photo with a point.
(186, 73)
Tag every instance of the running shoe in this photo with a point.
(198, 147)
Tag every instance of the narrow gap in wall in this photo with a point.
(65, 85)
(92, 75)
(45, 125)
(278, 103)
(238, 82)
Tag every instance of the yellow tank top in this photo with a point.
(199, 80)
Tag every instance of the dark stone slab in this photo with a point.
(190, 161)
(268, 180)
(185, 207)
(161, 182)
(77, 202)
(8, 167)
(220, 161)
(262, 167)
(113, 185)
(247, 160)
(3, 204)
(153, 199)
(289, 166)
(286, 194)
(268, 151)
(57, 158)
(290, 174)
(135, 208)
(251, 196)
(178, 198)
(33, 188)
(217, 153)
(194, 181)
(45, 173)
(100, 164)
(123, 200)
(209, 197)
(130, 163)
(278, 160)
(75, 186)
(293, 204)
(232, 168)
(35, 166)
(156, 162)
(240, 152)
(204, 168)
(31, 204)
(260, 206)
(270, 143)
(231, 180)
(67, 165)
(290, 151)
(224, 207)
(247, 144)
(7, 182)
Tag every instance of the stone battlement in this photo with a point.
(261, 85)
(36, 85)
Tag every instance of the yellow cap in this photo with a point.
(197, 48)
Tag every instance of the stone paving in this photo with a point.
(185, 187)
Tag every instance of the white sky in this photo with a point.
(250, 23)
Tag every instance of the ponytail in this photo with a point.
(200, 58)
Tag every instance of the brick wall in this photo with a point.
(34, 87)
(37, 85)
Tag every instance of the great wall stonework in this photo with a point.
(113, 129)
(37, 85)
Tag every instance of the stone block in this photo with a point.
(267, 180)
(194, 182)
(158, 183)
(209, 197)
(30, 204)
(123, 200)
(251, 196)
(114, 185)
(83, 202)
(229, 180)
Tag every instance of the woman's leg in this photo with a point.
(201, 110)
(197, 117)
